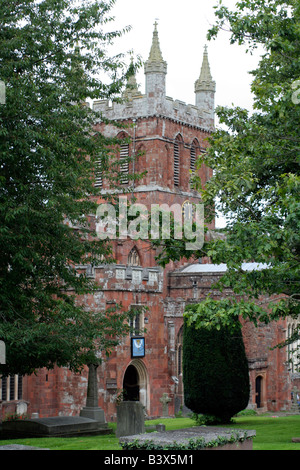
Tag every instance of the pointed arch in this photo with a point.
(140, 374)
(134, 258)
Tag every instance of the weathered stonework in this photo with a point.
(158, 121)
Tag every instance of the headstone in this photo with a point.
(130, 418)
(160, 427)
(21, 408)
(165, 400)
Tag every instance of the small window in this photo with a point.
(11, 388)
(133, 258)
(137, 321)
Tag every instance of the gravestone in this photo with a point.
(197, 437)
(165, 400)
(56, 426)
(21, 408)
(130, 418)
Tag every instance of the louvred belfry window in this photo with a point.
(176, 163)
(98, 174)
(195, 152)
(193, 159)
(124, 166)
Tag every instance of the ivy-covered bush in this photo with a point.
(215, 371)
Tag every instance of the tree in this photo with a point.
(255, 163)
(215, 370)
(53, 56)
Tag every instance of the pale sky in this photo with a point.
(182, 28)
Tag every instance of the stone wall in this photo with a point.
(264, 362)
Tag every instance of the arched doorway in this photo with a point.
(258, 391)
(131, 384)
(136, 383)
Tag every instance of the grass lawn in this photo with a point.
(272, 433)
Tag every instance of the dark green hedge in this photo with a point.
(215, 372)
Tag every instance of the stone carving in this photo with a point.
(165, 400)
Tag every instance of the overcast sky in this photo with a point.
(182, 28)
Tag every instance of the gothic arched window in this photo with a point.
(133, 258)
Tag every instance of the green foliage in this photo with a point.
(15, 417)
(51, 57)
(206, 420)
(192, 444)
(256, 182)
(256, 161)
(215, 369)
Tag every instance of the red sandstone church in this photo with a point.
(169, 134)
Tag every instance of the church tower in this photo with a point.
(167, 135)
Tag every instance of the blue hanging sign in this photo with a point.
(138, 346)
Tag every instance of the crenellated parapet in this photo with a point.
(155, 102)
(141, 106)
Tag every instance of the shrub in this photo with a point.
(215, 372)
